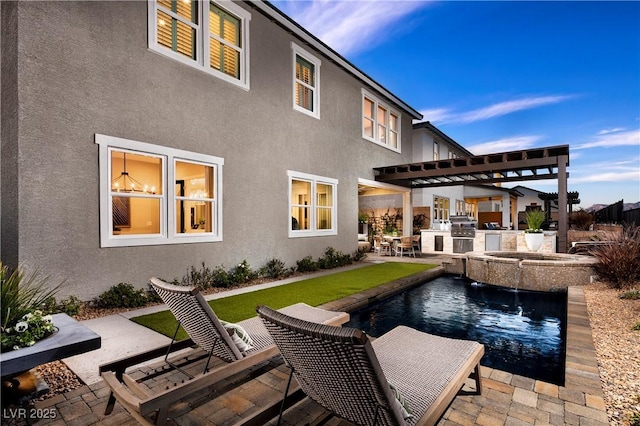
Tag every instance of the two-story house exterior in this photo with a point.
(142, 138)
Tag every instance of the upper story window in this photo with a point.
(312, 205)
(306, 82)
(436, 151)
(380, 124)
(212, 36)
(151, 194)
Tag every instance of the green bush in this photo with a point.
(333, 258)
(636, 327)
(242, 273)
(307, 264)
(221, 278)
(202, 279)
(619, 262)
(630, 295)
(275, 268)
(634, 418)
(359, 255)
(122, 295)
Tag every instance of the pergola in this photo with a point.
(524, 165)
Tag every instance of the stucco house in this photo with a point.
(142, 138)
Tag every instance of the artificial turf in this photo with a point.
(312, 291)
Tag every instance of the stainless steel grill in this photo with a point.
(463, 227)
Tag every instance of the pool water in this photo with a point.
(523, 331)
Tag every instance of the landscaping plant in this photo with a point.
(21, 297)
(619, 262)
(534, 218)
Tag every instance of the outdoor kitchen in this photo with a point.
(461, 235)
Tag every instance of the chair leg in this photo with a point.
(284, 399)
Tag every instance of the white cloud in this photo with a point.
(613, 138)
(628, 176)
(504, 145)
(614, 130)
(445, 115)
(350, 26)
(438, 115)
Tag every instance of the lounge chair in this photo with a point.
(206, 331)
(350, 375)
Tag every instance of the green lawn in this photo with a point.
(312, 291)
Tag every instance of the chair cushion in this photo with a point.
(239, 336)
(401, 402)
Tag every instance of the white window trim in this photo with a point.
(168, 234)
(313, 232)
(299, 51)
(376, 101)
(202, 40)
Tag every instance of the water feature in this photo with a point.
(532, 271)
(523, 332)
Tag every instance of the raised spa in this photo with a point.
(530, 271)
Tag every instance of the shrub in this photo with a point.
(619, 262)
(202, 279)
(307, 264)
(122, 295)
(275, 268)
(581, 220)
(221, 278)
(634, 418)
(70, 306)
(630, 295)
(333, 258)
(359, 255)
(636, 327)
(242, 273)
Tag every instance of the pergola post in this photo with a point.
(407, 214)
(563, 221)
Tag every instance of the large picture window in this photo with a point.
(380, 124)
(212, 36)
(312, 205)
(306, 82)
(152, 195)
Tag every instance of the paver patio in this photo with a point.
(507, 399)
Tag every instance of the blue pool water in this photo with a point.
(523, 332)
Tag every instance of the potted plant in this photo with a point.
(533, 235)
(22, 321)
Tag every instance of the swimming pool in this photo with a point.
(523, 332)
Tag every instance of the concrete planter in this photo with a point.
(533, 240)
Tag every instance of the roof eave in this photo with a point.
(282, 19)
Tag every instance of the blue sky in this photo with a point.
(506, 75)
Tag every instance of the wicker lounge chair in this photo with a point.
(349, 375)
(206, 331)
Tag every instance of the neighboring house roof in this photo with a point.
(511, 191)
(437, 132)
(286, 22)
